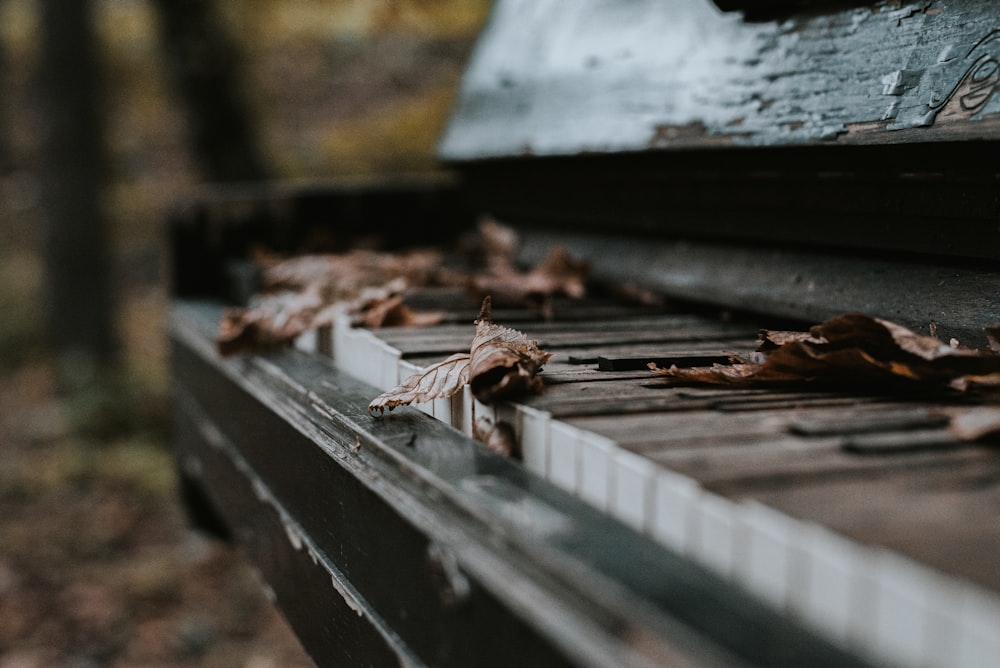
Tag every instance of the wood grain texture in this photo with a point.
(554, 78)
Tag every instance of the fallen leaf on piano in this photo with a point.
(271, 320)
(504, 361)
(383, 307)
(304, 293)
(558, 274)
(501, 364)
(344, 275)
(851, 349)
(437, 381)
(498, 437)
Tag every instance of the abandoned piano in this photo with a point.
(755, 163)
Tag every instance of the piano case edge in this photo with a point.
(402, 542)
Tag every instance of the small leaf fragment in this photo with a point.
(437, 381)
(498, 437)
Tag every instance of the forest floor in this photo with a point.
(97, 564)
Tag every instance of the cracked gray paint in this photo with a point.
(551, 77)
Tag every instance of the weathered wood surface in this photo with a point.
(437, 552)
(556, 78)
(960, 299)
(796, 450)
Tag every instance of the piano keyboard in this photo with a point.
(859, 515)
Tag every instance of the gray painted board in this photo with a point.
(558, 78)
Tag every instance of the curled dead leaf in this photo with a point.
(383, 307)
(304, 292)
(345, 274)
(853, 349)
(504, 362)
(557, 274)
(271, 320)
(437, 381)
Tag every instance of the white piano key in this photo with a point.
(564, 455)
(825, 572)
(358, 358)
(978, 643)
(388, 362)
(306, 341)
(369, 362)
(534, 438)
(348, 345)
(675, 496)
(714, 533)
(468, 411)
(441, 409)
(632, 496)
(904, 594)
(943, 615)
(765, 540)
(340, 331)
(595, 470)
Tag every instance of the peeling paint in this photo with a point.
(699, 77)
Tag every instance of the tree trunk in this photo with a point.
(79, 306)
(203, 59)
(6, 159)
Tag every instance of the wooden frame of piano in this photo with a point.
(401, 541)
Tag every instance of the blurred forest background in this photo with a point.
(96, 565)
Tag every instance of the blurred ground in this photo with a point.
(97, 567)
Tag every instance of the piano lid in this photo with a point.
(555, 78)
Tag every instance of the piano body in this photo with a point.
(755, 163)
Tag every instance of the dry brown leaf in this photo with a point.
(437, 381)
(304, 292)
(498, 242)
(383, 307)
(345, 274)
(392, 312)
(498, 437)
(853, 349)
(504, 361)
(557, 274)
(271, 320)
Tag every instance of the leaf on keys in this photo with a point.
(346, 274)
(853, 349)
(383, 307)
(558, 274)
(271, 320)
(304, 292)
(504, 361)
(438, 381)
